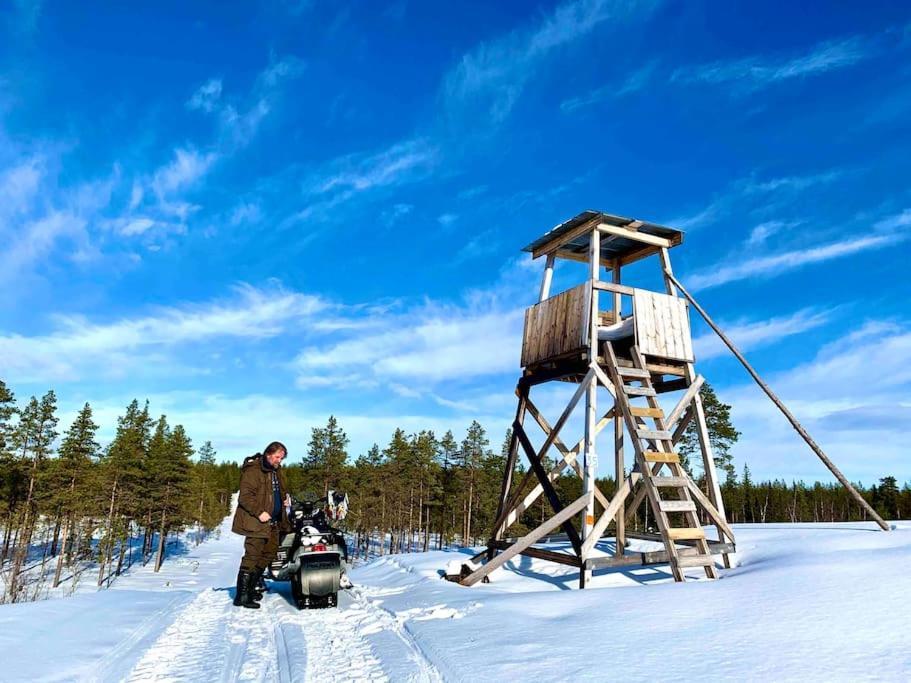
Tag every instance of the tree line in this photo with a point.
(421, 490)
(67, 504)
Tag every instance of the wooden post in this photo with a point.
(619, 474)
(522, 393)
(548, 276)
(590, 455)
(781, 406)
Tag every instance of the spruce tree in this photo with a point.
(326, 454)
(722, 435)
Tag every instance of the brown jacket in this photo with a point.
(256, 497)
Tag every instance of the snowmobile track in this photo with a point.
(210, 638)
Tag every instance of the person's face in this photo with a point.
(275, 459)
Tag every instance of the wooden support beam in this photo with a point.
(717, 518)
(634, 235)
(559, 519)
(613, 287)
(610, 512)
(548, 277)
(685, 401)
(781, 406)
(552, 497)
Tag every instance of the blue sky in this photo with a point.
(258, 214)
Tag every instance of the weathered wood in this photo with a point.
(662, 326)
(638, 391)
(556, 326)
(634, 372)
(568, 236)
(614, 287)
(590, 453)
(678, 506)
(660, 456)
(560, 518)
(534, 460)
(685, 533)
(685, 400)
(781, 406)
(695, 560)
(634, 235)
(657, 434)
(671, 482)
(610, 512)
(638, 411)
(511, 457)
(717, 518)
(543, 554)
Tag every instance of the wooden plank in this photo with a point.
(542, 554)
(678, 506)
(695, 560)
(560, 518)
(639, 411)
(654, 434)
(634, 372)
(658, 456)
(638, 391)
(684, 533)
(671, 482)
(626, 233)
(614, 287)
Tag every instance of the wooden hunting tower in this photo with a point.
(582, 336)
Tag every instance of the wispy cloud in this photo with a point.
(399, 163)
(633, 83)
(886, 232)
(755, 73)
(755, 334)
(79, 346)
(207, 96)
(488, 80)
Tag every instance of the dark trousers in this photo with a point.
(259, 552)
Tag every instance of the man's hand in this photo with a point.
(264, 517)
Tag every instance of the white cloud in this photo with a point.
(136, 226)
(762, 232)
(79, 347)
(755, 334)
(633, 83)
(488, 80)
(775, 264)
(206, 96)
(186, 168)
(19, 186)
(754, 73)
(855, 420)
(399, 163)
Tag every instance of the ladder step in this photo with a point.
(670, 482)
(634, 372)
(686, 534)
(658, 456)
(638, 411)
(654, 434)
(639, 391)
(677, 506)
(695, 561)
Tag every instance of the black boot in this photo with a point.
(244, 595)
(258, 585)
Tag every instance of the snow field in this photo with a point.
(808, 602)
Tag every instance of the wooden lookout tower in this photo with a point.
(627, 346)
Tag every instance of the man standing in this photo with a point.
(260, 516)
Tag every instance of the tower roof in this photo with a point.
(630, 240)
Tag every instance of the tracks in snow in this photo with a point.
(212, 640)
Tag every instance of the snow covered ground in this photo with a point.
(804, 602)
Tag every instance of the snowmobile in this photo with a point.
(314, 557)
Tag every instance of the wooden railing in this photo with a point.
(557, 326)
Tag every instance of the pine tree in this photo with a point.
(474, 451)
(76, 453)
(722, 435)
(327, 454)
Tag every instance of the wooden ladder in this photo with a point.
(654, 448)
